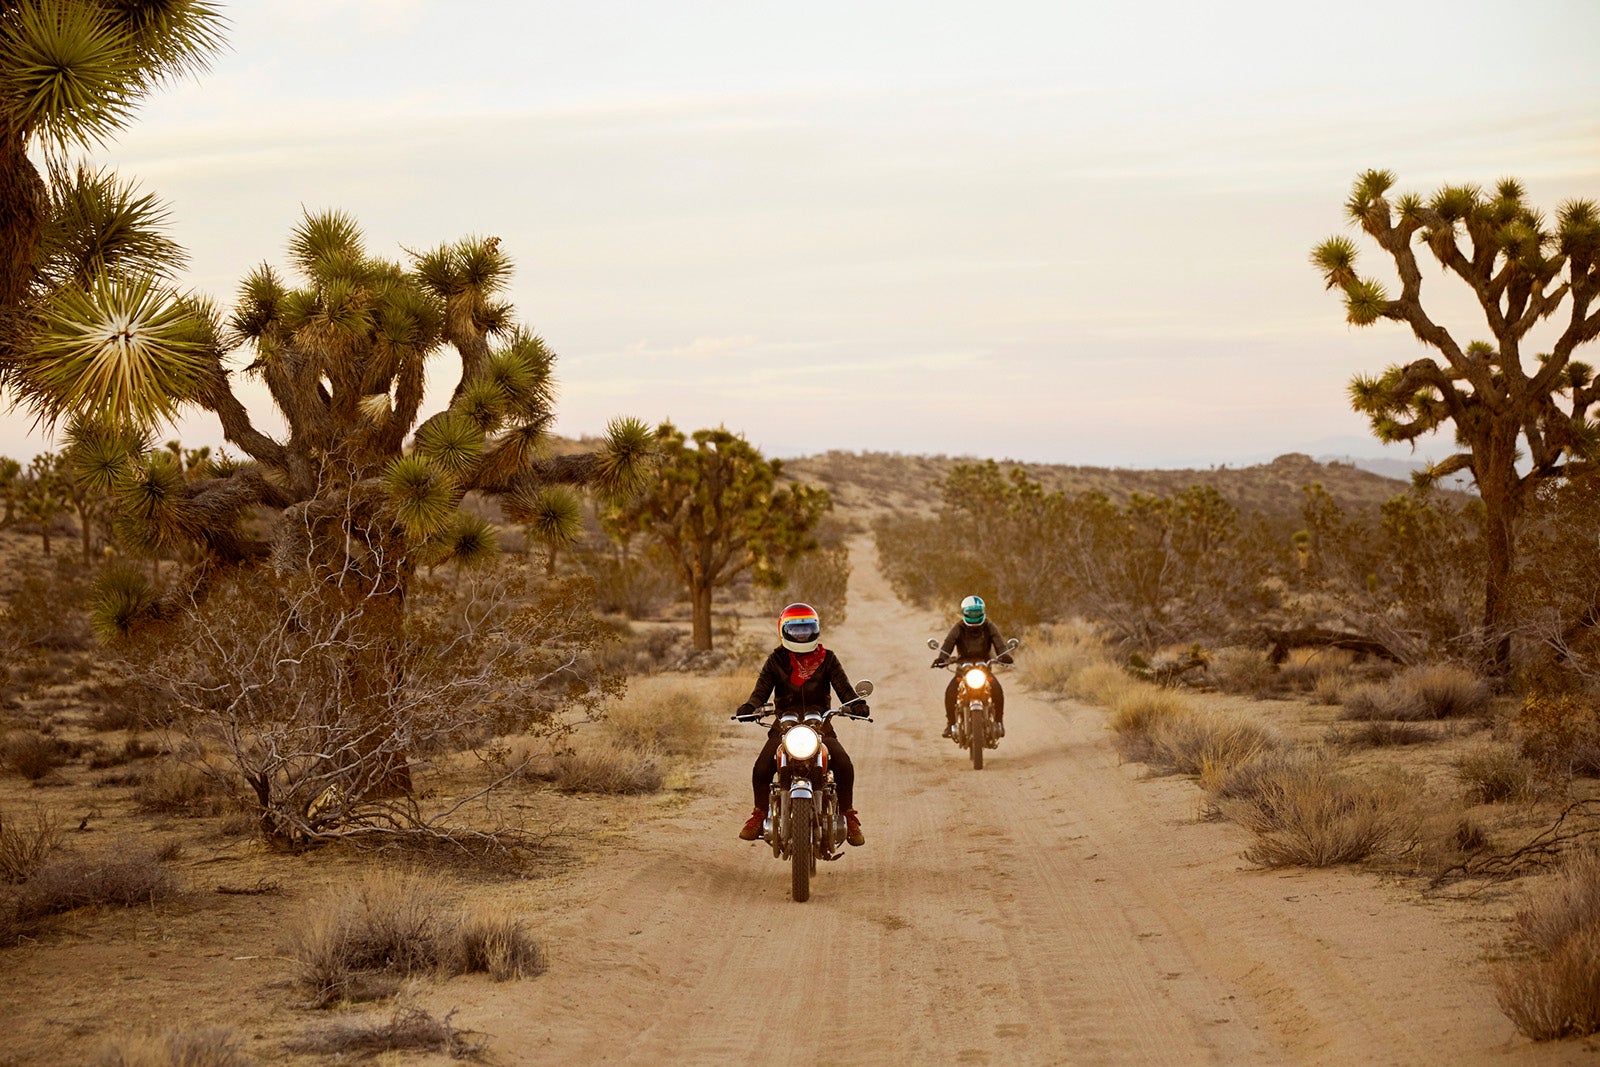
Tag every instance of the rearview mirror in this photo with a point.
(863, 688)
(1013, 643)
(933, 644)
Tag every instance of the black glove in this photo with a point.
(861, 708)
(941, 661)
(1005, 657)
(745, 712)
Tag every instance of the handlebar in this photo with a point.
(823, 716)
(963, 664)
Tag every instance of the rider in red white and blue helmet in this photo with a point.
(797, 676)
(974, 638)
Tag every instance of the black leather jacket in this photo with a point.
(811, 694)
(973, 642)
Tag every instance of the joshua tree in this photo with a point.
(10, 471)
(72, 73)
(342, 356)
(716, 509)
(1505, 404)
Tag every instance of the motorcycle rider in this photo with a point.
(797, 675)
(975, 639)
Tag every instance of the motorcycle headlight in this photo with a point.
(976, 679)
(801, 742)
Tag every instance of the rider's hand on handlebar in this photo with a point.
(1005, 657)
(941, 661)
(860, 708)
(745, 712)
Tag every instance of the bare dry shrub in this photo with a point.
(33, 755)
(606, 766)
(1557, 994)
(1382, 733)
(1305, 814)
(133, 748)
(215, 1047)
(360, 942)
(125, 704)
(45, 610)
(675, 719)
(499, 945)
(126, 875)
(1494, 774)
(1561, 733)
(638, 587)
(407, 1029)
(1330, 686)
(25, 844)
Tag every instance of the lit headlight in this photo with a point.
(976, 679)
(801, 742)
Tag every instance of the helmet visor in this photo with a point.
(802, 631)
(972, 616)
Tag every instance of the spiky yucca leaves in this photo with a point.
(471, 541)
(100, 223)
(124, 350)
(423, 497)
(1522, 272)
(550, 516)
(122, 597)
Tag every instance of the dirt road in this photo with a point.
(1056, 907)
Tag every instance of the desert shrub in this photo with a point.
(638, 587)
(1055, 655)
(361, 941)
(1306, 814)
(1100, 683)
(1206, 745)
(214, 1047)
(498, 945)
(125, 876)
(1557, 994)
(1246, 671)
(1330, 687)
(124, 704)
(1561, 733)
(407, 1029)
(33, 755)
(673, 719)
(132, 748)
(821, 577)
(1136, 710)
(605, 766)
(45, 611)
(1418, 693)
(25, 843)
(1382, 733)
(1496, 773)
(174, 788)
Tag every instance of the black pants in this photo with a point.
(844, 772)
(950, 699)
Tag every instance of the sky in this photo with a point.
(1049, 231)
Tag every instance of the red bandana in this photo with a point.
(803, 666)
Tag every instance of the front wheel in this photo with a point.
(800, 838)
(975, 738)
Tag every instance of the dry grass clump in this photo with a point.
(33, 755)
(1496, 773)
(1330, 686)
(361, 943)
(1382, 733)
(1246, 671)
(1056, 655)
(1137, 708)
(173, 788)
(214, 1047)
(127, 875)
(674, 719)
(407, 1029)
(605, 766)
(26, 843)
(1306, 814)
(1557, 994)
(1418, 693)
(1205, 745)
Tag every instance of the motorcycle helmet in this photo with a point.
(800, 628)
(972, 611)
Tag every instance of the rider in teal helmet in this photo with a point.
(973, 638)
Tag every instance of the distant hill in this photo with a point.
(867, 484)
(1401, 469)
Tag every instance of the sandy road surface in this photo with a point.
(1053, 908)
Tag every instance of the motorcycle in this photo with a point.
(804, 822)
(975, 723)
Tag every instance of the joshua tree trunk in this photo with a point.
(700, 638)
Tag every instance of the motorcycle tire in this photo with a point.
(800, 853)
(975, 736)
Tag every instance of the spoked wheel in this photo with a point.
(975, 739)
(801, 858)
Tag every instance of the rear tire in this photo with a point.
(800, 855)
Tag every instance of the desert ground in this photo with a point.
(1058, 906)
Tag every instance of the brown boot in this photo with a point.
(852, 826)
(752, 825)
